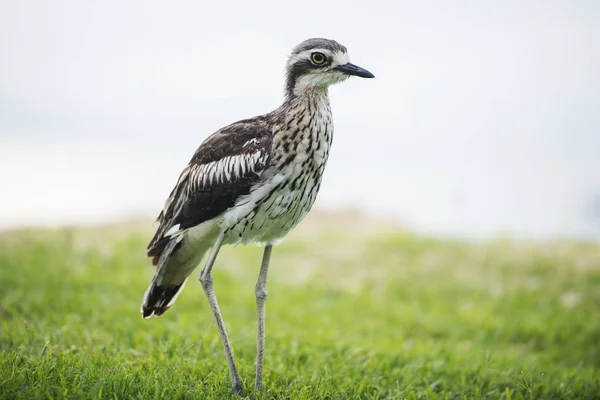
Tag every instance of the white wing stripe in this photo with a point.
(226, 169)
(174, 229)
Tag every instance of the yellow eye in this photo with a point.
(318, 58)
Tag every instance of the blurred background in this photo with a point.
(483, 119)
(482, 124)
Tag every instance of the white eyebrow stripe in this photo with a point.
(304, 55)
(340, 59)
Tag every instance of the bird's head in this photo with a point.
(318, 63)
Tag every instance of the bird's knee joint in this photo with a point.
(261, 293)
(205, 280)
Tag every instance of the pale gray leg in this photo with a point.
(207, 284)
(261, 297)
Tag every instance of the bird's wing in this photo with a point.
(224, 167)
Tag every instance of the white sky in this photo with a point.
(483, 118)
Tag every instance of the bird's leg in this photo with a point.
(207, 285)
(261, 298)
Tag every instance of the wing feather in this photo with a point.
(225, 167)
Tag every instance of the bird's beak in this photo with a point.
(352, 69)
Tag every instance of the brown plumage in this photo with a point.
(250, 182)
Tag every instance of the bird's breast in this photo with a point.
(300, 152)
(283, 200)
(305, 142)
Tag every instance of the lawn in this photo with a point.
(357, 309)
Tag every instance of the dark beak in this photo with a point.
(352, 69)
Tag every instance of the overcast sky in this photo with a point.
(483, 119)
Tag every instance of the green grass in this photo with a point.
(354, 312)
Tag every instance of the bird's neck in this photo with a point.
(305, 126)
(311, 101)
(303, 90)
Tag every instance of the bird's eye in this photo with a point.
(318, 58)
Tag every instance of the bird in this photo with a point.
(250, 182)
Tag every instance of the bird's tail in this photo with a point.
(177, 261)
(159, 299)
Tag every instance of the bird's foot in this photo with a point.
(238, 389)
(257, 390)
